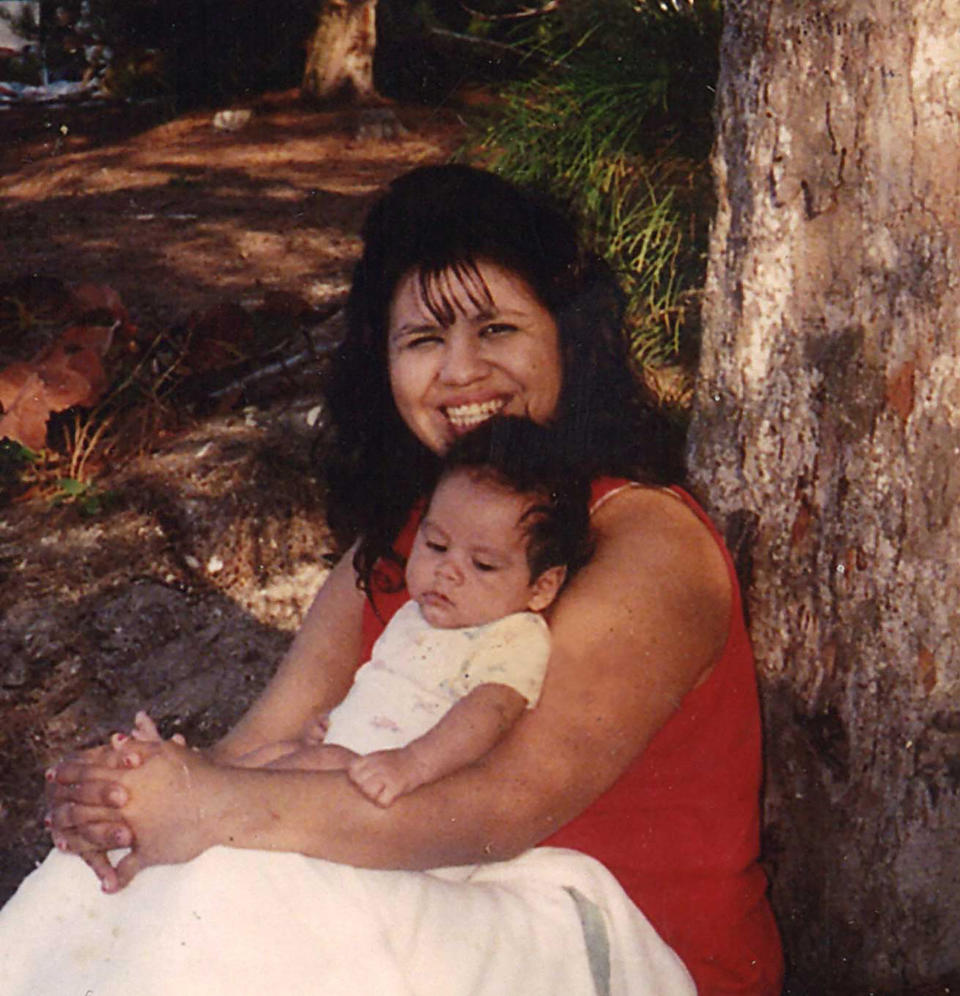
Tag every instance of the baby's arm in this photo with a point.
(311, 757)
(467, 731)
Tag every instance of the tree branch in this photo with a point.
(546, 8)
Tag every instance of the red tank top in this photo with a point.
(680, 829)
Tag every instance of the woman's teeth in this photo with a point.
(469, 416)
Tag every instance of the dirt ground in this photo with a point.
(180, 595)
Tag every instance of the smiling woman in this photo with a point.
(453, 367)
(631, 786)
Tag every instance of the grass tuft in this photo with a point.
(618, 127)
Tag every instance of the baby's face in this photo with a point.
(468, 565)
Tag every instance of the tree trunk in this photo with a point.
(827, 437)
(340, 54)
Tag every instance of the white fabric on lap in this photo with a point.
(247, 922)
(244, 923)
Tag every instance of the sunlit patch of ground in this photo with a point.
(183, 214)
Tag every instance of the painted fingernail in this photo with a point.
(47, 822)
(50, 774)
(60, 843)
(119, 838)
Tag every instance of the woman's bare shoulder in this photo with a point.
(656, 524)
(658, 565)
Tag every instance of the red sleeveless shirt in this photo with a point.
(680, 829)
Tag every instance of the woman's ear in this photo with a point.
(544, 590)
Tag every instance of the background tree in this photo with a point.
(368, 50)
(827, 434)
(340, 52)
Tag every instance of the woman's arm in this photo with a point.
(313, 676)
(637, 628)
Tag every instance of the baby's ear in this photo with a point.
(544, 590)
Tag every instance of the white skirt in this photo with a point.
(243, 923)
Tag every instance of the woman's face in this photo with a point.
(499, 353)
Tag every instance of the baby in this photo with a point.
(457, 665)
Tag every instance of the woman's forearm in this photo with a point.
(181, 804)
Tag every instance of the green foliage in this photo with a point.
(617, 127)
(24, 470)
(88, 498)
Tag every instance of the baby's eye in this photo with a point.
(482, 565)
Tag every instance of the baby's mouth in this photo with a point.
(436, 600)
(466, 417)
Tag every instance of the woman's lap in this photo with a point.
(241, 922)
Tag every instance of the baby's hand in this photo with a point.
(315, 732)
(385, 775)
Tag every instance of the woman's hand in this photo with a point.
(171, 790)
(84, 800)
(105, 798)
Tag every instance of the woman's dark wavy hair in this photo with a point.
(436, 219)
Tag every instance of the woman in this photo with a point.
(474, 298)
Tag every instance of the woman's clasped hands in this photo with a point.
(133, 794)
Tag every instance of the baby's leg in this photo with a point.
(315, 757)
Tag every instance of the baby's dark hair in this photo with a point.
(526, 458)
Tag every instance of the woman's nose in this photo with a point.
(462, 361)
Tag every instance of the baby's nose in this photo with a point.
(449, 570)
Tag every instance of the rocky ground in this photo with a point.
(182, 591)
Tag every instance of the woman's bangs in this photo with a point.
(454, 288)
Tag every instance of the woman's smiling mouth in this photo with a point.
(469, 416)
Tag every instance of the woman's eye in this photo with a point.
(423, 339)
(497, 328)
(436, 547)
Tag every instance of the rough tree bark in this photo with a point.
(340, 53)
(827, 437)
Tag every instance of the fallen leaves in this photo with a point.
(68, 372)
(73, 346)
